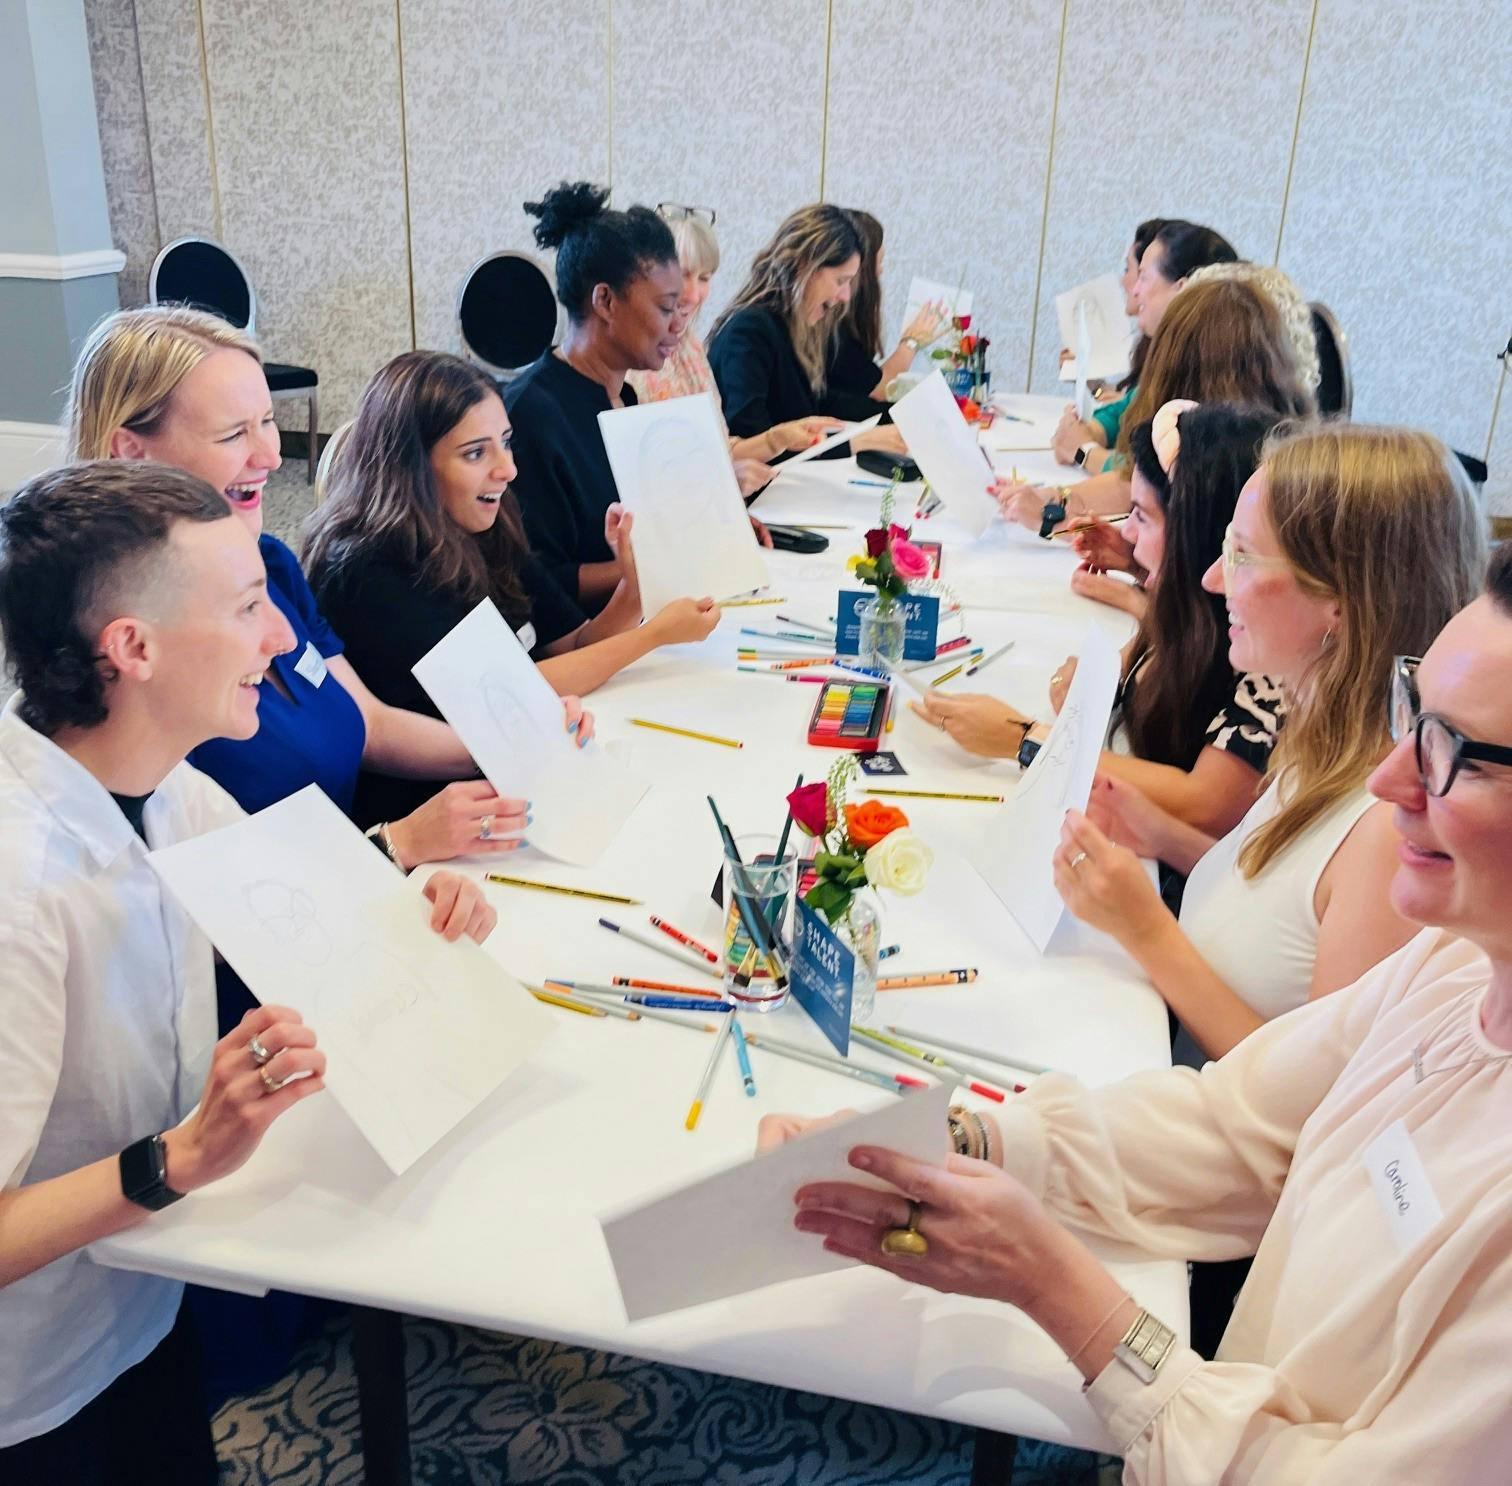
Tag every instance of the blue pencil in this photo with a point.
(743, 1057)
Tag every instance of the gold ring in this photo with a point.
(1078, 859)
(908, 1241)
(271, 1084)
(260, 1054)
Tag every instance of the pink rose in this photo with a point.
(810, 806)
(910, 561)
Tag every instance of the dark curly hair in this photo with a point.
(1499, 577)
(74, 542)
(595, 245)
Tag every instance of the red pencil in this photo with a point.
(950, 645)
(662, 985)
(685, 939)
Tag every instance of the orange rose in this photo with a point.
(867, 824)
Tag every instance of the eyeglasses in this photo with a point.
(1234, 559)
(1440, 748)
(675, 211)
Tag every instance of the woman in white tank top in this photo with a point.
(1292, 903)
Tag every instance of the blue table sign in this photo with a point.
(824, 977)
(921, 624)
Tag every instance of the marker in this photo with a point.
(659, 985)
(696, 1108)
(996, 655)
(687, 940)
(935, 794)
(926, 978)
(556, 887)
(893, 1082)
(743, 1058)
(887, 953)
(966, 1047)
(662, 727)
(906, 1051)
(681, 956)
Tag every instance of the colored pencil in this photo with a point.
(721, 1037)
(568, 1003)
(754, 921)
(793, 665)
(677, 1019)
(640, 998)
(933, 1039)
(1071, 531)
(892, 949)
(783, 676)
(812, 624)
(890, 1081)
(871, 484)
(662, 727)
(686, 940)
(747, 603)
(996, 655)
(743, 1057)
(556, 887)
(906, 1052)
(954, 644)
(798, 637)
(949, 675)
(939, 660)
(926, 978)
(661, 985)
(936, 794)
(681, 956)
(892, 706)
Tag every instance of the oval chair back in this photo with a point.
(507, 312)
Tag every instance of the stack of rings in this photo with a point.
(907, 1242)
(260, 1056)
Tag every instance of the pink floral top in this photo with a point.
(685, 373)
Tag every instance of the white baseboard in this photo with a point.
(26, 449)
(67, 266)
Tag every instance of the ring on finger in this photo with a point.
(271, 1084)
(485, 830)
(259, 1051)
(1078, 859)
(907, 1242)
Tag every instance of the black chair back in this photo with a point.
(507, 312)
(1336, 387)
(196, 271)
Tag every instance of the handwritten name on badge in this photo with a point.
(1401, 1186)
(311, 665)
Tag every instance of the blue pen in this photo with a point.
(1014, 418)
(679, 1003)
(743, 1057)
(874, 484)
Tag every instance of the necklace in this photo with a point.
(1419, 1073)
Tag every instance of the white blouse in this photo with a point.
(1370, 1342)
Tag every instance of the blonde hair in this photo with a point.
(1383, 521)
(1296, 314)
(697, 247)
(132, 363)
(813, 237)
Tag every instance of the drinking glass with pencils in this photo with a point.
(760, 883)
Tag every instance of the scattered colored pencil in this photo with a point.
(793, 665)
(939, 660)
(677, 1019)
(782, 676)
(926, 978)
(798, 637)
(894, 1082)
(743, 1057)
(663, 727)
(908, 1052)
(661, 985)
(748, 603)
(810, 624)
(871, 484)
(681, 956)
(686, 940)
(721, 1037)
(949, 675)
(950, 645)
(996, 655)
(934, 1040)
(1071, 531)
(578, 1006)
(556, 887)
(936, 794)
(639, 998)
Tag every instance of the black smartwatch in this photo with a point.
(1027, 751)
(1082, 451)
(144, 1175)
(1052, 516)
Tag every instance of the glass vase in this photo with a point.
(881, 642)
(860, 930)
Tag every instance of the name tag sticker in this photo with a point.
(1401, 1186)
(311, 665)
(526, 635)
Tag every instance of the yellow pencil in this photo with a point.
(935, 794)
(589, 1008)
(578, 1006)
(555, 887)
(747, 603)
(953, 671)
(663, 727)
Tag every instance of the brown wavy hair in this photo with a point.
(1385, 522)
(863, 315)
(381, 492)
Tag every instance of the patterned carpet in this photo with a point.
(487, 1409)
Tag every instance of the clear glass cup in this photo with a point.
(764, 886)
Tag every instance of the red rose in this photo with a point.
(810, 806)
(876, 540)
(963, 322)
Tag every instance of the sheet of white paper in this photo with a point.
(1103, 299)
(946, 448)
(1015, 848)
(840, 436)
(1083, 397)
(672, 468)
(510, 720)
(417, 1032)
(733, 1232)
(957, 301)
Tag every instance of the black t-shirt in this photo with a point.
(389, 619)
(133, 807)
(851, 374)
(563, 481)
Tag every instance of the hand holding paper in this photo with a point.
(1100, 303)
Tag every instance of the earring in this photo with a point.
(1328, 639)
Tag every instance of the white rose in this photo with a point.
(899, 861)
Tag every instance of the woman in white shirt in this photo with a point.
(1360, 1147)
(1292, 902)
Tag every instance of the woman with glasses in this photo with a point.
(1360, 1148)
(1292, 903)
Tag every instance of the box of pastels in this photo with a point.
(850, 714)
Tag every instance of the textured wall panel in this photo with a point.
(173, 87)
(502, 101)
(720, 105)
(939, 125)
(1401, 205)
(1168, 110)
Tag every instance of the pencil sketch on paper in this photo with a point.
(673, 473)
(288, 915)
(1050, 771)
(518, 729)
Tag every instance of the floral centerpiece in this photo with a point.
(963, 359)
(890, 563)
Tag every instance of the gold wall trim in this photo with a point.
(829, 41)
(1291, 159)
(204, 55)
(1039, 267)
(409, 240)
(609, 91)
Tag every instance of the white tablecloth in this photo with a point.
(498, 1225)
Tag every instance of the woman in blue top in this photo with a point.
(173, 384)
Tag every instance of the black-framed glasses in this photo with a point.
(675, 211)
(1439, 747)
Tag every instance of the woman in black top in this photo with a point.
(419, 525)
(769, 347)
(856, 366)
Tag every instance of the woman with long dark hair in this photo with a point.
(419, 524)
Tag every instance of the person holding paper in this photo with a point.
(419, 523)
(1190, 732)
(187, 388)
(769, 347)
(1221, 342)
(856, 367)
(1358, 1147)
(136, 616)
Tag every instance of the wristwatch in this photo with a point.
(1145, 1345)
(1028, 750)
(1054, 513)
(144, 1175)
(1082, 451)
(911, 341)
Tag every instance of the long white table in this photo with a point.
(497, 1226)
